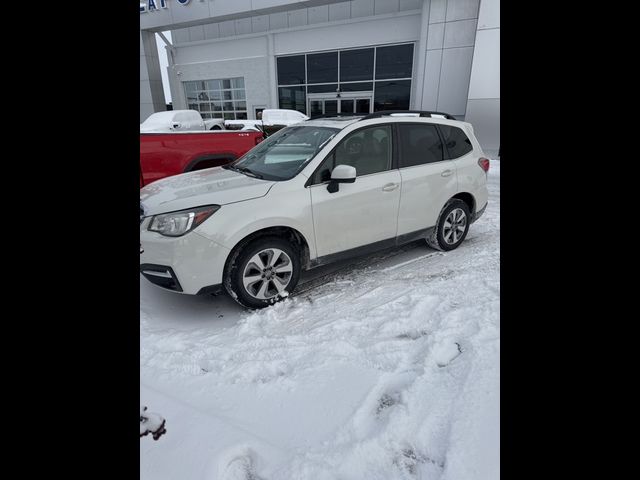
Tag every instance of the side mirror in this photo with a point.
(341, 174)
(176, 125)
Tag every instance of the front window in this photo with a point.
(368, 150)
(284, 154)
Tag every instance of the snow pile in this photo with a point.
(151, 423)
(382, 368)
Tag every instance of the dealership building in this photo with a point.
(232, 58)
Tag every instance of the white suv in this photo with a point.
(313, 193)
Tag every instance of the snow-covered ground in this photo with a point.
(386, 367)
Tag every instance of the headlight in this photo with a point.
(175, 224)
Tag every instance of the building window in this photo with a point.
(383, 74)
(324, 88)
(220, 98)
(291, 70)
(356, 87)
(356, 65)
(292, 98)
(392, 95)
(394, 61)
(322, 67)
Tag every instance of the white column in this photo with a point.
(483, 102)
(421, 47)
(151, 90)
(273, 81)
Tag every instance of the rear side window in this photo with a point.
(458, 144)
(419, 144)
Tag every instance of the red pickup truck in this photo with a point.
(166, 154)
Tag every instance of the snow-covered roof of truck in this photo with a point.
(158, 118)
(274, 116)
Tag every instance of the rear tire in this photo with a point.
(452, 226)
(263, 272)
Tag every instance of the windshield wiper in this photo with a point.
(245, 170)
(248, 171)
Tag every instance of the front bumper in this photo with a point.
(189, 264)
(161, 275)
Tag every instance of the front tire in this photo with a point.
(262, 272)
(452, 227)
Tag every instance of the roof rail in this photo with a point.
(421, 113)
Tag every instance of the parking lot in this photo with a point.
(383, 367)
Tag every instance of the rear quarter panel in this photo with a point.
(471, 178)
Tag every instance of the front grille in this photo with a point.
(161, 276)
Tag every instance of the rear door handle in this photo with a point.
(446, 173)
(390, 187)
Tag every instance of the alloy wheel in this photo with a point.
(267, 273)
(454, 226)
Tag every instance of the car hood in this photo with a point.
(213, 186)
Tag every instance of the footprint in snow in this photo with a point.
(387, 400)
(238, 468)
(374, 411)
(413, 335)
(445, 352)
(409, 461)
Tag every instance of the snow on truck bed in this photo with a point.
(385, 367)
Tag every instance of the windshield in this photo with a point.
(282, 155)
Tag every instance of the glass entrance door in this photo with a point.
(356, 102)
(331, 107)
(355, 105)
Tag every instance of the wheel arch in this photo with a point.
(291, 234)
(467, 198)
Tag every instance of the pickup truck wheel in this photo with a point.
(452, 226)
(263, 272)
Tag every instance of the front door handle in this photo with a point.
(389, 187)
(446, 173)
